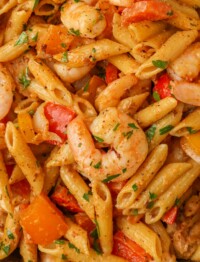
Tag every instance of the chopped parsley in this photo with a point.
(59, 241)
(72, 31)
(98, 165)
(177, 201)
(160, 64)
(134, 187)
(94, 233)
(74, 247)
(150, 204)
(7, 193)
(98, 139)
(94, 50)
(64, 57)
(35, 38)
(97, 247)
(191, 130)
(63, 45)
(132, 125)
(165, 129)
(10, 234)
(124, 170)
(135, 212)
(80, 144)
(35, 4)
(109, 178)
(116, 127)
(152, 196)
(85, 89)
(101, 72)
(31, 112)
(128, 134)
(6, 249)
(23, 38)
(63, 257)
(86, 196)
(150, 133)
(76, 1)
(24, 79)
(156, 96)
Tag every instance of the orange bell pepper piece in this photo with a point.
(43, 221)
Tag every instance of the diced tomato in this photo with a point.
(21, 188)
(84, 221)
(162, 87)
(64, 198)
(59, 117)
(170, 216)
(111, 73)
(128, 249)
(43, 221)
(146, 10)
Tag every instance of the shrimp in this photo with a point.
(82, 19)
(127, 141)
(184, 71)
(187, 66)
(6, 94)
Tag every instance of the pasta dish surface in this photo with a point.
(100, 130)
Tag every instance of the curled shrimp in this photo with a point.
(6, 94)
(184, 72)
(127, 142)
(83, 19)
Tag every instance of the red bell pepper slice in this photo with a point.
(128, 249)
(171, 215)
(64, 198)
(162, 87)
(146, 10)
(111, 73)
(59, 117)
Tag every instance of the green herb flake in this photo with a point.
(64, 57)
(94, 50)
(35, 38)
(23, 39)
(24, 79)
(35, 4)
(31, 112)
(97, 227)
(135, 212)
(101, 72)
(76, 1)
(59, 241)
(160, 64)
(116, 127)
(109, 178)
(98, 139)
(74, 247)
(132, 125)
(10, 234)
(191, 130)
(170, 13)
(72, 31)
(165, 129)
(94, 233)
(63, 257)
(128, 134)
(7, 193)
(80, 144)
(98, 165)
(150, 204)
(124, 170)
(86, 196)
(156, 96)
(85, 89)
(152, 196)
(134, 187)
(150, 133)
(6, 249)
(97, 247)
(63, 45)
(177, 201)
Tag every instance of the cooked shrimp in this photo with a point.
(82, 19)
(71, 75)
(6, 94)
(127, 141)
(186, 92)
(186, 66)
